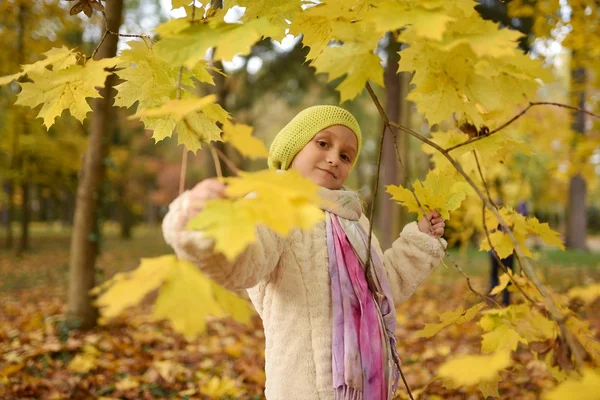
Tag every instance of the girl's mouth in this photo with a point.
(329, 172)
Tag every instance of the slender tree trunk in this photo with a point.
(125, 214)
(14, 156)
(391, 217)
(576, 234)
(85, 235)
(25, 218)
(8, 213)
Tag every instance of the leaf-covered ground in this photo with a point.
(136, 358)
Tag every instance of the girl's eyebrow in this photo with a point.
(327, 133)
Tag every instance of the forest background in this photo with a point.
(52, 346)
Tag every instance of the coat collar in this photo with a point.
(344, 203)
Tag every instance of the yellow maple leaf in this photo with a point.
(429, 23)
(86, 361)
(357, 62)
(483, 36)
(65, 89)
(58, 58)
(458, 316)
(229, 223)
(150, 82)
(189, 45)
(522, 227)
(240, 137)
(177, 108)
(196, 128)
(530, 324)
(193, 126)
(187, 298)
(473, 369)
(441, 190)
(128, 289)
(489, 388)
(504, 281)
(585, 388)
(253, 199)
(217, 388)
(502, 337)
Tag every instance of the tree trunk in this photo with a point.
(85, 235)
(125, 216)
(391, 217)
(8, 214)
(576, 234)
(25, 217)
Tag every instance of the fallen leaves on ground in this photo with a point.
(135, 357)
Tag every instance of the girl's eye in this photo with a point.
(345, 157)
(322, 143)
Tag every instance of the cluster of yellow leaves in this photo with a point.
(458, 316)
(473, 68)
(522, 227)
(442, 190)
(186, 296)
(279, 200)
(152, 80)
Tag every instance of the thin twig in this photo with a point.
(226, 160)
(107, 31)
(374, 199)
(483, 182)
(529, 271)
(519, 115)
(371, 217)
(99, 43)
(215, 157)
(387, 125)
(183, 171)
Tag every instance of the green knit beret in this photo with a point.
(303, 127)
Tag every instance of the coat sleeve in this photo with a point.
(410, 260)
(257, 261)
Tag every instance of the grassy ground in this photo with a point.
(141, 359)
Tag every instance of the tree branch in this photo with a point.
(387, 124)
(529, 271)
(519, 115)
(215, 157)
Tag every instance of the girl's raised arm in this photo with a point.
(249, 268)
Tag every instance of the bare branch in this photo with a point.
(215, 158)
(519, 115)
(227, 161)
(387, 124)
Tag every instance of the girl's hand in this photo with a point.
(195, 200)
(436, 222)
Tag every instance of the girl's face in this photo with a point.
(327, 159)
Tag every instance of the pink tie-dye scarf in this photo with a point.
(363, 342)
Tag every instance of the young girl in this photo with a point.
(329, 327)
